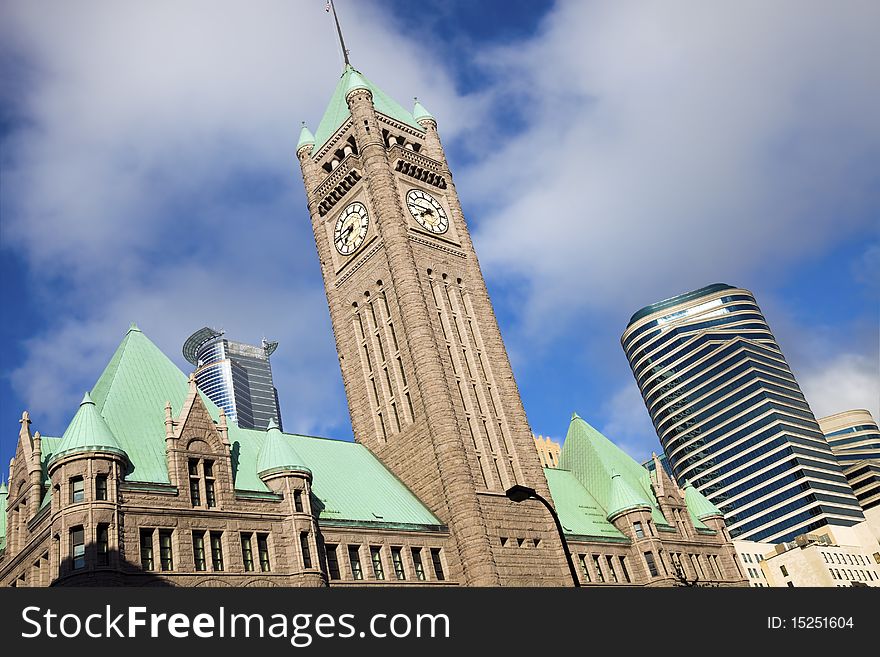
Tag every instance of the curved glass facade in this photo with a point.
(731, 417)
(237, 377)
(855, 440)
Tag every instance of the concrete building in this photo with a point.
(235, 376)
(751, 556)
(731, 418)
(548, 451)
(150, 484)
(854, 438)
(813, 560)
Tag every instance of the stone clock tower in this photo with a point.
(429, 384)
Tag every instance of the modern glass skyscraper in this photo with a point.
(235, 376)
(855, 440)
(731, 417)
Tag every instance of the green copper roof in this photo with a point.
(578, 511)
(349, 483)
(306, 138)
(278, 454)
(419, 112)
(698, 504)
(681, 298)
(624, 497)
(4, 493)
(337, 111)
(87, 432)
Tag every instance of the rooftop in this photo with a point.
(676, 300)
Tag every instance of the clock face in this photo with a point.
(351, 228)
(427, 211)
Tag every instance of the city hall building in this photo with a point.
(152, 484)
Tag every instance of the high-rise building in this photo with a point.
(731, 417)
(235, 376)
(855, 440)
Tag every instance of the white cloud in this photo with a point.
(627, 423)
(845, 382)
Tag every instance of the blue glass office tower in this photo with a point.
(235, 376)
(731, 417)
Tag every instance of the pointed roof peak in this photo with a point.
(624, 497)
(575, 416)
(306, 138)
(133, 328)
(3, 489)
(273, 426)
(87, 432)
(355, 81)
(87, 399)
(420, 113)
(698, 504)
(278, 454)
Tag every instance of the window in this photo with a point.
(586, 571)
(166, 556)
(210, 498)
(783, 570)
(101, 487)
(194, 487)
(624, 570)
(78, 547)
(824, 556)
(438, 564)
(147, 549)
(298, 501)
(263, 549)
(652, 567)
(639, 531)
(77, 490)
(747, 558)
(397, 561)
(217, 550)
(600, 577)
(247, 553)
(199, 550)
(611, 574)
(376, 558)
(790, 583)
(304, 545)
(103, 543)
(417, 563)
(354, 559)
(332, 562)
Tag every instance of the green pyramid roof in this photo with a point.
(624, 497)
(278, 454)
(419, 112)
(87, 432)
(337, 111)
(306, 138)
(698, 504)
(4, 493)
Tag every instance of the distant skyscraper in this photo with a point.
(855, 440)
(731, 417)
(235, 376)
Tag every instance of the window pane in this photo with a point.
(417, 563)
(247, 553)
(304, 546)
(101, 487)
(397, 560)
(355, 561)
(263, 546)
(216, 551)
(194, 493)
(298, 501)
(199, 550)
(166, 556)
(438, 564)
(103, 543)
(78, 547)
(147, 549)
(209, 493)
(376, 558)
(77, 490)
(332, 562)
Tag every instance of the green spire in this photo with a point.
(623, 497)
(420, 113)
(698, 504)
(355, 81)
(87, 432)
(278, 454)
(306, 138)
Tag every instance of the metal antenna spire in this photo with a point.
(332, 7)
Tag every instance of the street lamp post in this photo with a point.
(522, 493)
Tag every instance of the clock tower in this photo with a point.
(429, 385)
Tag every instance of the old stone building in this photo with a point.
(149, 484)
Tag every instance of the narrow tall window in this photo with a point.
(417, 563)
(397, 561)
(247, 553)
(332, 562)
(199, 550)
(639, 531)
(783, 570)
(77, 490)
(376, 558)
(600, 576)
(101, 487)
(624, 570)
(210, 498)
(166, 553)
(438, 564)
(103, 544)
(263, 549)
(304, 547)
(354, 558)
(611, 574)
(298, 501)
(584, 569)
(78, 547)
(217, 550)
(147, 549)
(194, 486)
(652, 567)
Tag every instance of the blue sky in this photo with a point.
(608, 155)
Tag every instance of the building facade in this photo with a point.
(812, 560)
(235, 376)
(854, 438)
(731, 417)
(151, 484)
(548, 451)
(751, 556)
